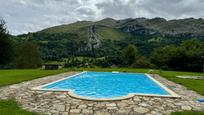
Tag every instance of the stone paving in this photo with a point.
(60, 103)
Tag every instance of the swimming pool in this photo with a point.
(109, 85)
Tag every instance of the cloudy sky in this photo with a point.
(24, 16)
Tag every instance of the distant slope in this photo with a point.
(133, 26)
(105, 29)
(113, 35)
(69, 28)
(172, 27)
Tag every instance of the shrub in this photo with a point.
(142, 62)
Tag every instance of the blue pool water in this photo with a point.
(108, 84)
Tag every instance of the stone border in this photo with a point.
(130, 95)
(40, 88)
(74, 95)
(61, 103)
(173, 94)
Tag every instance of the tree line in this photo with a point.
(188, 56)
(31, 53)
(16, 54)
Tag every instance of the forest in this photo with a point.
(169, 52)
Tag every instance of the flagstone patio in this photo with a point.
(60, 103)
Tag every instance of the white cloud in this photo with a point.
(24, 16)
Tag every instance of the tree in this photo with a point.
(6, 47)
(192, 51)
(130, 54)
(162, 56)
(28, 56)
(186, 57)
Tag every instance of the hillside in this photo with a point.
(105, 28)
(118, 29)
(108, 36)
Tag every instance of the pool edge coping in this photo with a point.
(130, 95)
(67, 77)
(173, 94)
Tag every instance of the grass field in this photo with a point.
(8, 77)
(196, 85)
(188, 113)
(10, 107)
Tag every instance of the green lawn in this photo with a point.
(10, 107)
(114, 69)
(196, 85)
(8, 77)
(187, 113)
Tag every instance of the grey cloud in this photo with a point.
(86, 11)
(24, 16)
(118, 8)
(169, 9)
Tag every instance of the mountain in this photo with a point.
(109, 36)
(106, 28)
